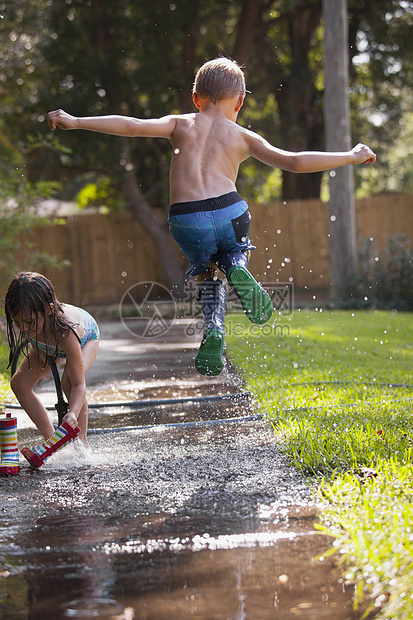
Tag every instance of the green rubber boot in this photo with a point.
(255, 301)
(209, 360)
(212, 294)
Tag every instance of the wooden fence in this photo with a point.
(107, 254)
(299, 232)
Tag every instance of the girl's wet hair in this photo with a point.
(221, 78)
(32, 295)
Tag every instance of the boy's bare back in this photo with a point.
(207, 152)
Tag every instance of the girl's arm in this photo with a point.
(116, 125)
(75, 367)
(306, 161)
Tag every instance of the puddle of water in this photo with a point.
(206, 523)
(133, 390)
(241, 583)
(235, 582)
(165, 414)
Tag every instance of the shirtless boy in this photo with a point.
(208, 218)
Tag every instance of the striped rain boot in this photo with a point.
(62, 435)
(8, 442)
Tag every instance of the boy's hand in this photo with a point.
(61, 119)
(363, 154)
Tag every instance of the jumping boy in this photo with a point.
(208, 218)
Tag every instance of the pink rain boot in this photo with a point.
(38, 455)
(8, 442)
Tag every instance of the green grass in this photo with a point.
(338, 390)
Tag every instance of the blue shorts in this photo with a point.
(204, 228)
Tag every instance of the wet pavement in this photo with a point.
(174, 513)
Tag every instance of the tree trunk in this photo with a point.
(343, 239)
(157, 230)
(249, 26)
(297, 99)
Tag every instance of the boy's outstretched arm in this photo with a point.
(307, 161)
(114, 124)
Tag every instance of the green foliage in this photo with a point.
(258, 184)
(10, 157)
(384, 277)
(18, 217)
(337, 389)
(5, 391)
(42, 67)
(18, 200)
(100, 194)
(381, 49)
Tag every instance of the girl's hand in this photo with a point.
(61, 119)
(70, 419)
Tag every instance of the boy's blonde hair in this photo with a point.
(219, 79)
